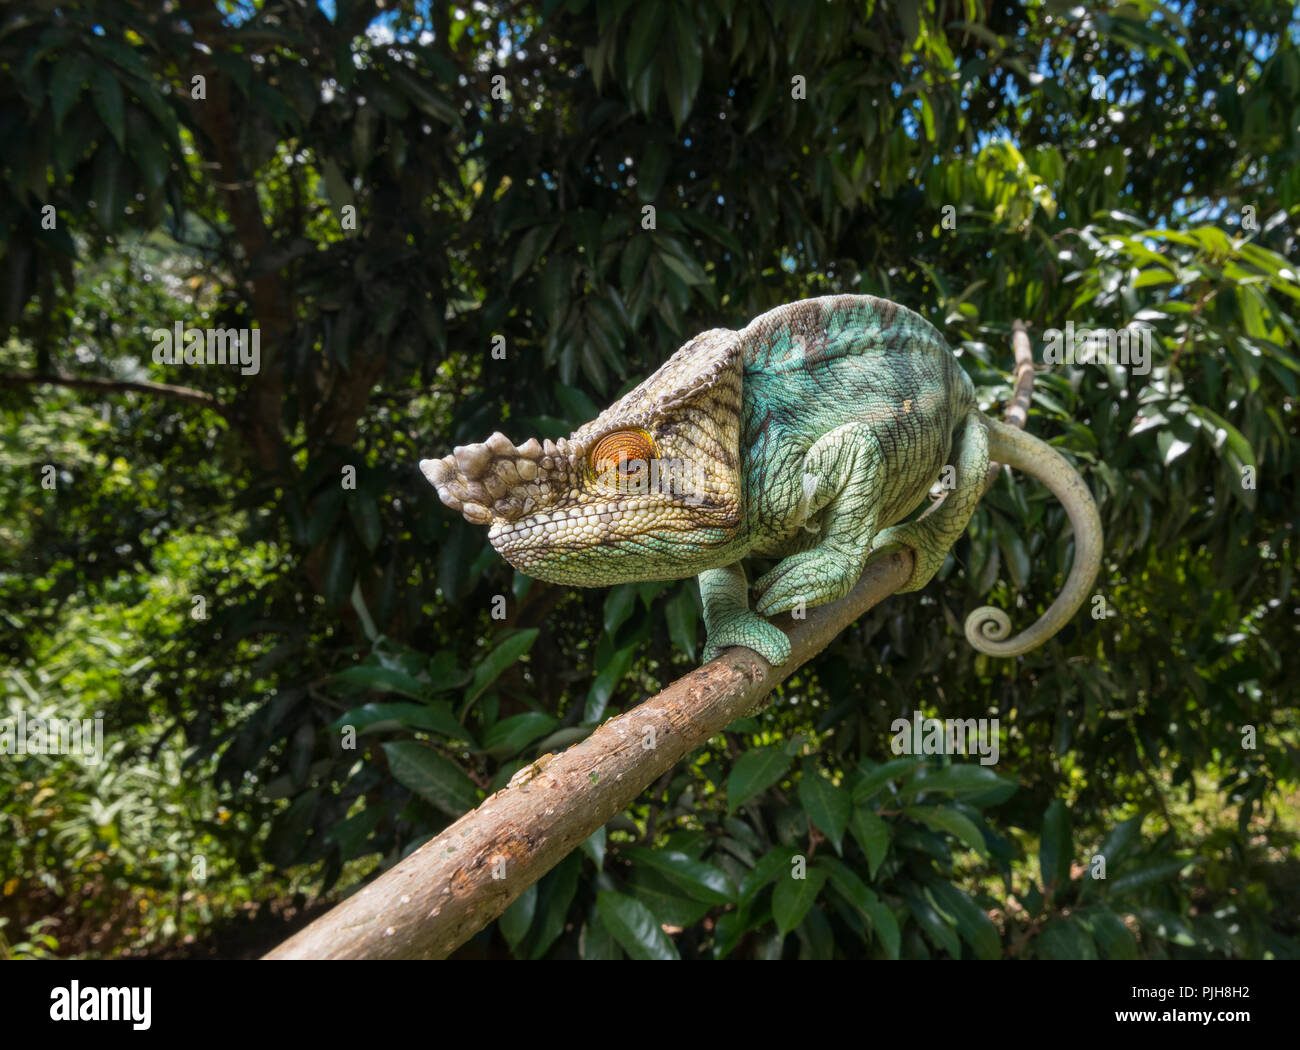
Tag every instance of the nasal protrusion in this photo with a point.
(487, 480)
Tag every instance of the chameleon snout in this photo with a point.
(495, 480)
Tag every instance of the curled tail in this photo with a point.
(987, 626)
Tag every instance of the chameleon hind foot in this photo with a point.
(927, 545)
(929, 538)
(816, 577)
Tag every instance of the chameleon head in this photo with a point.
(650, 489)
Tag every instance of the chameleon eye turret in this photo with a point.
(622, 456)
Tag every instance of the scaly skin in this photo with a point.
(807, 437)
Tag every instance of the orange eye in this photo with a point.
(625, 452)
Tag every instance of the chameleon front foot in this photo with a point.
(751, 631)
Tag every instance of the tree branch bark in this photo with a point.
(454, 885)
(118, 386)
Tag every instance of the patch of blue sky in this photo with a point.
(237, 12)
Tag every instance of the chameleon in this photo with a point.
(806, 437)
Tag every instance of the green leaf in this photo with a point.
(530, 248)
(338, 571)
(502, 657)
(886, 926)
(776, 861)
(1119, 841)
(683, 617)
(597, 943)
(1114, 938)
(512, 735)
(731, 926)
(1171, 445)
(1056, 848)
(518, 917)
(350, 836)
(109, 102)
(554, 290)
(108, 185)
(932, 924)
(337, 186)
(367, 520)
(793, 897)
(688, 271)
(910, 20)
(827, 806)
(607, 681)
(853, 889)
(1014, 550)
(754, 772)
(761, 106)
(384, 680)
(619, 603)
(696, 878)
(324, 512)
(1167, 926)
(147, 151)
(1148, 874)
(564, 738)
(957, 824)
(288, 835)
(644, 38)
(667, 903)
(688, 54)
(66, 83)
(873, 836)
(424, 97)
(444, 672)
(634, 927)
(960, 781)
(379, 718)
(594, 847)
(675, 90)
(816, 938)
(431, 776)
(632, 264)
(973, 923)
(846, 880)
(1065, 939)
(650, 175)
(556, 895)
(896, 769)
(1226, 436)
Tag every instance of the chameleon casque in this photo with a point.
(807, 436)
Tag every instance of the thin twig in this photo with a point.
(117, 386)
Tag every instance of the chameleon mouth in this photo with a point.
(579, 528)
(603, 543)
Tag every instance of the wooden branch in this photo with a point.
(1022, 382)
(117, 386)
(433, 901)
(445, 892)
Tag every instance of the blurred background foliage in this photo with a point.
(1106, 165)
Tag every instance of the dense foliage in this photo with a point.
(389, 197)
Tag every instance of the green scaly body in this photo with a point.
(806, 437)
